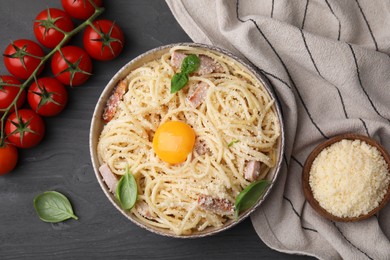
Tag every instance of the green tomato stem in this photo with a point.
(67, 36)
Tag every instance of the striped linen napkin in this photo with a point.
(329, 64)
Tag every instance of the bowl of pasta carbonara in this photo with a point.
(187, 140)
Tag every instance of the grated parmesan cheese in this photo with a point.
(349, 178)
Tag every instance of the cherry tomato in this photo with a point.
(22, 57)
(45, 23)
(25, 128)
(80, 9)
(73, 67)
(47, 96)
(8, 158)
(8, 92)
(104, 40)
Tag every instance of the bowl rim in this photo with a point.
(306, 174)
(102, 101)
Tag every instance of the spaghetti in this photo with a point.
(235, 123)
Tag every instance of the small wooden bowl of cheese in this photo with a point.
(347, 178)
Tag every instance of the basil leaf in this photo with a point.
(190, 64)
(250, 195)
(178, 81)
(52, 206)
(126, 191)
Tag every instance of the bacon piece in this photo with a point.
(112, 102)
(143, 209)
(201, 147)
(177, 58)
(108, 177)
(216, 205)
(199, 94)
(207, 64)
(252, 170)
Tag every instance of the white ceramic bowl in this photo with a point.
(98, 123)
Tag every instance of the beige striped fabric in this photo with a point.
(329, 64)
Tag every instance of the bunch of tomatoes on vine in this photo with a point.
(25, 97)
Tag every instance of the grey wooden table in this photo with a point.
(61, 162)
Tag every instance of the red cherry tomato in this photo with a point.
(8, 93)
(73, 67)
(8, 158)
(104, 40)
(22, 57)
(80, 9)
(44, 23)
(47, 96)
(24, 129)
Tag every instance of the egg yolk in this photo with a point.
(173, 141)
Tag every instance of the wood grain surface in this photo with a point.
(62, 163)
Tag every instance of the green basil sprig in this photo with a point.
(190, 64)
(52, 206)
(126, 190)
(179, 80)
(250, 195)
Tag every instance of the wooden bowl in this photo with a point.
(306, 174)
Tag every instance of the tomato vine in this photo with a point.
(67, 36)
